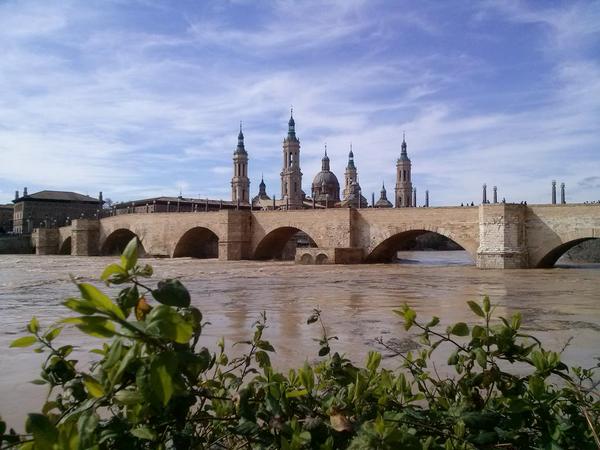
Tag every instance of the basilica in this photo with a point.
(325, 188)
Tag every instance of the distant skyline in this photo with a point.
(144, 98)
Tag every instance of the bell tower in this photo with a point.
(240, 184)
(404, 188)
(291, 176)
(350, 176)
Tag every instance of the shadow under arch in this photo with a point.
(116, 242)
(281, 243)
(197, 242)
(65, 248)
(550, 258)
(386, 250)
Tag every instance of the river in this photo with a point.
(357, 303)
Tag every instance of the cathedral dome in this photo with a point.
(325, 186)
(326, 177)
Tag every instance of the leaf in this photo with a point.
(324, 350)
(167, 323)
(44, 432)
(144, 433)
(373, 360)
(81, 306)
(142, 308)
(516, 321)
(99, 299)
(265, 345)
(130, 255)
(128, 298)
(478, 331)
(33, 326)
(113, 271)
(94, 326)
(460, 329)
(86, 426)
(93, 386)
(129, 397)
(433, 322)
(480, 357)
(453, 358)
(24, 341)
(161, 371)
(536, 386)
(296, 393)
(173, 293)
(146, 271)
(312, 319)
(486, 304)
(127, 359)
(113, 356)
(409, 318)
(340, 422)
(262, 358)
(53, 333)
(476, 308)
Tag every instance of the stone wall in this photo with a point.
(381, 231)
(15, 244)
(554, 229)
(502, 237)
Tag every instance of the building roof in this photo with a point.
(164, 200)
(58, 196)
(7, 206)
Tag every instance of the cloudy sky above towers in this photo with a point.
(143, 98)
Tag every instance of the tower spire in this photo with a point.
(325, 160)
(292, 125)
(240, 146)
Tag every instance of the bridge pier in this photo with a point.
(502, 237)
(45, 241)
(85, 234)
(331, 255)
(236, 243)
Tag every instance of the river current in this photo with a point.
(558, 305)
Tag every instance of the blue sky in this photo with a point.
(143, 98)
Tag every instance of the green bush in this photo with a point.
(154, 386)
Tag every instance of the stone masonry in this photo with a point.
(497, 236)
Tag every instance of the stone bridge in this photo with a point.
(495, 236)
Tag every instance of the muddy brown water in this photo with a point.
(357, 302)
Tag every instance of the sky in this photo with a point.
(144, 98)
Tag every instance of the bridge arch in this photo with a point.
(197, 242)
(273, 244)
(65, 247)
(552, 253)
(115, 242)
(387, 246)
